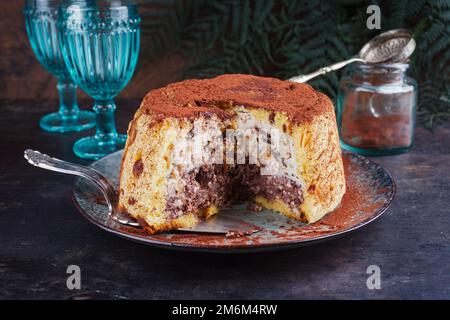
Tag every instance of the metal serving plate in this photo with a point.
(370, 191)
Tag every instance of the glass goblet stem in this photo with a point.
(106, 126)
(106, 139)
(69, 116)
(68, 106)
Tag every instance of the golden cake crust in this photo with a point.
(309, 120)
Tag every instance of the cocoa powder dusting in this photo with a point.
(190, 98)
(389, 131)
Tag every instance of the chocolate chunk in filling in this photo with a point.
(220, 186)
(138, 167)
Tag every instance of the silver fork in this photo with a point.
(218, 224)
(106, 187)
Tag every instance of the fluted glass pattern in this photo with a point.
(42, 29)
(101, 50)
(100, 42)
(43, 34)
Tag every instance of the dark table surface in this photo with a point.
(41, 234)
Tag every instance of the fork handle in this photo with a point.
(44, 161)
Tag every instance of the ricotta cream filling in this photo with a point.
(255, 142)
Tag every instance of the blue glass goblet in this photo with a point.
(100, 41)
(41, 24)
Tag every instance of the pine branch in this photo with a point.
(283, 38)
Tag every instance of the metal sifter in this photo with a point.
(389, 47)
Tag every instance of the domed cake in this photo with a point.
(198, 145)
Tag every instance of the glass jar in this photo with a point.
(376, 109)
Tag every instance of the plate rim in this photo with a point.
(244, 248)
